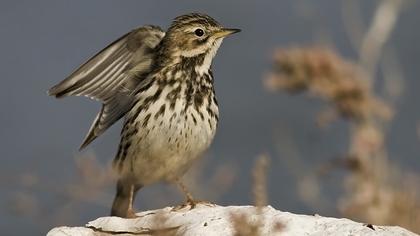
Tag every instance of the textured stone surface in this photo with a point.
(219, 220)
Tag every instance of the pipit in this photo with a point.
(162, 84)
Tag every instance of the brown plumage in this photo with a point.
(162, 84)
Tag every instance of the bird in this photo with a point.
(161, 84)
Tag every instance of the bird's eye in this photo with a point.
(199, 32)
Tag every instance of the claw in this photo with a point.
(131, 214)
(192, 204)
(190, 201)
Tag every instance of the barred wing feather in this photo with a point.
(112, 75)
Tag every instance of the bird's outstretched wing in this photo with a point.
(112, 75)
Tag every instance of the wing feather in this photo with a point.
(107, 77)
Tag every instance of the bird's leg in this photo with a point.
(124, 198)
(191, 202)
(188, 195)
(130, 212)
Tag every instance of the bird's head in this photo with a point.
(195, 35)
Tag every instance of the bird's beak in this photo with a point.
(225, 32)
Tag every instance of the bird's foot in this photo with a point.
(131, 214)
(192, 203)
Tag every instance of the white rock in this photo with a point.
(218, 220)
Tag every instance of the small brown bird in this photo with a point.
(163, 85)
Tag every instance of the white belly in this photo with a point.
(167, 145)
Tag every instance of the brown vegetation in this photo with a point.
(375, 192)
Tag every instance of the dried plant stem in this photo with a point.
(253, 225)
(260, 181)
(383, 23)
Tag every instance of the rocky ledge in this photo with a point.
(206, 219)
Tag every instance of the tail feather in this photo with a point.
(93, 132)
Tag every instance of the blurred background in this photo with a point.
(349, 149)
